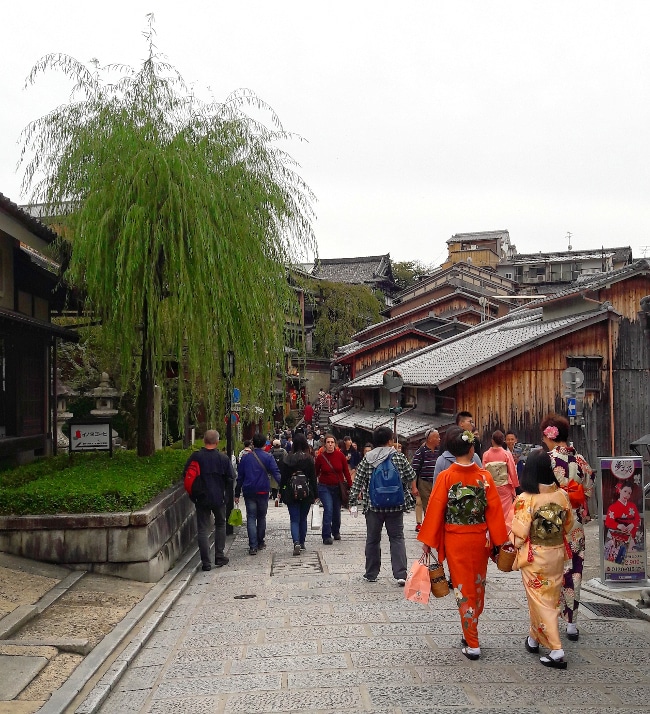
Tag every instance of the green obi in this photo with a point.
(547, 527)
(466, 505)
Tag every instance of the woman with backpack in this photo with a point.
(576, 477)
(542, 518)
(298, 488)
(501, 464)
(463, 506)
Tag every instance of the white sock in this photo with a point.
(532, 642)
(473, 650)
(556, 654)
(571, 628)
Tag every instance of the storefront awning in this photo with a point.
(409, 426)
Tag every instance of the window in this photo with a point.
(591, 367)
(509, 276)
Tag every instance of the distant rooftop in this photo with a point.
(618, 255)
(479, 236)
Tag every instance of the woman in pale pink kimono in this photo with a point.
(501, 464)
(542, 518)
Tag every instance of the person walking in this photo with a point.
(308, 414)
(207, 475)
(424, 465)
(254, 480)
(463, 506)
(291, 488)
(279, 454)
(390, 516)
(331, 470)
(501, 464)
(576, 477)
(542, 519)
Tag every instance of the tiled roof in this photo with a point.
(478, 236)
(368, 269)
(35, 226)
(360, 347)
(479, 348)
(618, 254)
(408, 425)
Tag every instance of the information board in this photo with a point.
(91, 436)
(622, 519)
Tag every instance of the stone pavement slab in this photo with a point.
(17, 672)
(266, 635)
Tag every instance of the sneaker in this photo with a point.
(221, 560)
(418, 527)
(328, 541)
(369, 579)
(302, 546)
(252, 551)
(296, 548)
(206, 567)
(337, 536)
(401, 582)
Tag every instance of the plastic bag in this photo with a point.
(418, 584)
(235, 517)
(316, 517)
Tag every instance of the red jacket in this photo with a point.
(328, 476)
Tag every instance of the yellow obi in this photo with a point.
(547, 527)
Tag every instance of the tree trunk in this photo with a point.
(146, 445)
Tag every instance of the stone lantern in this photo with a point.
(104, 396)
(63, 393)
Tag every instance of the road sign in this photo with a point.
(573, 377)
(571, 406)
(393, 380)
(236, 395)
(236, 407)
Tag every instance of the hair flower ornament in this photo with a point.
(551, 432)
(468, 437)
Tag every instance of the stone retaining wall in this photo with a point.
(141, 545)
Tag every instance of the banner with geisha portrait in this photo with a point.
(622, 519)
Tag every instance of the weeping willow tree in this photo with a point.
(181, 214)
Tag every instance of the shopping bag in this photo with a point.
(235, 517)
(316, 517)
(418, 584)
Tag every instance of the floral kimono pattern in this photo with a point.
(539, 525)
(569, 465)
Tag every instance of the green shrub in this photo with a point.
(89, 483)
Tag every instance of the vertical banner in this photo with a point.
(622, 519)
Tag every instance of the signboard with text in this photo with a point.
(91, 436)
(622, 519)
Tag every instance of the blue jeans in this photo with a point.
(330, 497)
(298, 519)
(257, 505)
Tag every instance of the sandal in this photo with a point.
(573, 636)
(554, 663)
(469, 655)
(530, 648)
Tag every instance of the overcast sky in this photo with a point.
(422, 119)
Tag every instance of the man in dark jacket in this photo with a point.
(254, 479)
(207, 474)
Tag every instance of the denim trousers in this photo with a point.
(330, 497)
(394, 522)
(257, 505)
(204, 526)
(298, 513)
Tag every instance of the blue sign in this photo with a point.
(236, 395)
(571, 406)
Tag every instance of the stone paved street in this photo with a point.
(327, 641)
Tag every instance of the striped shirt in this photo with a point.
(424, 462)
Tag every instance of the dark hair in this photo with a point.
(382, 435)
(259, 440)
(367, 444)
(511, 432)
(455, 443)
(341, 444)
(247, 443)
(462, 415)
(300, 443)
(537, 469)
(498, 438)
(560, 422)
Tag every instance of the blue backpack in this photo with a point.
(386, 489)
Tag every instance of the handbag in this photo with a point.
(344, 489)
(235, 518)
(418, 584)
(506, 557)
(316, 517)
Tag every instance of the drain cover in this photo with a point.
(305, 563)
(606, 610)
(244, 597)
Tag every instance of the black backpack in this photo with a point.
(299, 485)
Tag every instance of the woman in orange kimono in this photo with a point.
(463, 505)
(542, 519)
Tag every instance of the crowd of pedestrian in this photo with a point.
(469, 502)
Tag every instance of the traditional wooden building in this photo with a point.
(483, 248)
(29, 292)
(507, 372)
